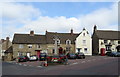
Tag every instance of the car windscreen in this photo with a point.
(21, 56)
(72, 54)
(55, 56)
(42, 54)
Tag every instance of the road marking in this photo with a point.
(39, 66)
(20, 64)
(16, 63)
(83, 62)
(88, 60)
(75, 63)
(24, 65)
(30, 65)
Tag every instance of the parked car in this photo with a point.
(43, 56)
(22, 59)
(80, 55)
(113, 54)
(71, 56)
(108, 53)
(62, 56)
(33, 58)
(55, 59)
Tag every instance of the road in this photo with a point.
(94, 65)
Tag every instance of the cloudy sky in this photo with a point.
(21, 17)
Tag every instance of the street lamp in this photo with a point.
(56, 44)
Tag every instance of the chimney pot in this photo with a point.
(71, 31)
(95, 28)
(2, 40)
(7, 38)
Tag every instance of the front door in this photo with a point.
(38, 54)
(28, 54)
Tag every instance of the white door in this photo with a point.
(28, 54)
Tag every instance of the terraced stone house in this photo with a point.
(34, 44)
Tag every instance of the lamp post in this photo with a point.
(56, 44)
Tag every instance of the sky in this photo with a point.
(21, 17)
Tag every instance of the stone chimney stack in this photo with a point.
(71, 31)
(2, 40)
(32, 33)
(95, 28)
(7, 42)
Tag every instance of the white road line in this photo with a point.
(20, 64)
(16, 63)
(24, 65)
(83, 62)
(39, 66)
(88, 60)
(30, 65)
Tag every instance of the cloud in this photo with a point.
(18, 12)
(60, 24)
(104, 18)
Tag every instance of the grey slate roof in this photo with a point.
(27, 39)
(104, 34)
(9, 50)
(62, 36)
(43, 39)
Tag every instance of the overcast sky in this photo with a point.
(21, 17)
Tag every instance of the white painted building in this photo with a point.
(84, 43)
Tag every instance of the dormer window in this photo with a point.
(118, 42)
(58, 41)
(105, 41)
(29, 46)
(38, 46)
(68, 42)
(83, 34)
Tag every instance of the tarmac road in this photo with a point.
(95, 65)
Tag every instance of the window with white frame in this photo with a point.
(21, 46)
(112, 42)
(85, 49)
(84, 42)
(38, 46)
(68, 42)
(58, 41)
(19, 53)
(68, 49)
(118, 42)
(83, 34)
(29, 46)
(105, 41)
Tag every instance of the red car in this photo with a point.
(55, 59)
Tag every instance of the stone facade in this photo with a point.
(32, 44)
(23, 49)
(5, 44)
